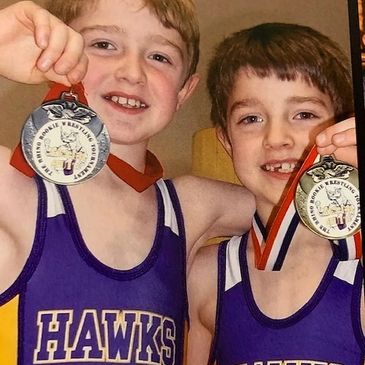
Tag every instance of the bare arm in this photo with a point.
(213, 209)
(34, 47)
(202, 290)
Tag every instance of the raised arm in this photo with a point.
(34, 47)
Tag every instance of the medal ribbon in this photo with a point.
(271, 249)
(137, 180)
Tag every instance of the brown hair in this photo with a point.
(288, 51)
(176, 14)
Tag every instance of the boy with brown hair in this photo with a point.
(276, 89)
(98, 273)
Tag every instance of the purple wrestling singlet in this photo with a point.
(325, 331)
(72, 309)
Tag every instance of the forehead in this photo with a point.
(133, 22)
(271, 89)
(131, 16)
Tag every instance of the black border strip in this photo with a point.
(358, 91)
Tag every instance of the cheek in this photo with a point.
(94, 76)
(245, 147)
(164, 84)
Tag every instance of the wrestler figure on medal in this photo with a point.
(64, 141)
(328, 199)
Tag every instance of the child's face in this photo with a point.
(270, 125)
(137, 69)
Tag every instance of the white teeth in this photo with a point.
(284, 167)
(128, 103)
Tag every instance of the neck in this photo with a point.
(134, 155)
(267, 213)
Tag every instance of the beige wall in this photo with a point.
(217, 19)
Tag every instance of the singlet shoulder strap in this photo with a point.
(232, 263)
(54, 200)
(229, 274)
(346, 270)
(173, 215)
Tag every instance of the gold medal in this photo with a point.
(327, 199)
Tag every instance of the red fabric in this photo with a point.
(137, 180)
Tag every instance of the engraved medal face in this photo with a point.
(327, 199)
(65, 142)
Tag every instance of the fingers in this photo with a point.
(72, 53)
(57, 43)
(41, 20)
(340, 140)
(79, 71)
(338, 135)
(347, 154)
(63, 48)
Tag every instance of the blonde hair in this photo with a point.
(176, 14)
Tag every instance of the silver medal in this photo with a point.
(327, 199)
(64, 141)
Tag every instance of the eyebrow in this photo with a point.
(246, 102)
(103, 28)
(243, 103)
(306, 99)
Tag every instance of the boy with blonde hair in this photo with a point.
(95, 272)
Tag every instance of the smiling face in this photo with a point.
(137, 69)
(270, 126)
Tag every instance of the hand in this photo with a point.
(35, 46)
(339, 139)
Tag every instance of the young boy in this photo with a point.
(278, 86)
(107, 286)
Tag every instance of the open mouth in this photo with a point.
(282, 167)
(128, 103)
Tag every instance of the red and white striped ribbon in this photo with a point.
(270, 252)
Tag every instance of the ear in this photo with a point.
(187, 89)
(224, 140)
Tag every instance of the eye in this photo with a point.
(305, 115)
(160, 58)
(103, 45)
(250, 119)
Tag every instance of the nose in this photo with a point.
(130, 68)
(278, 135)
